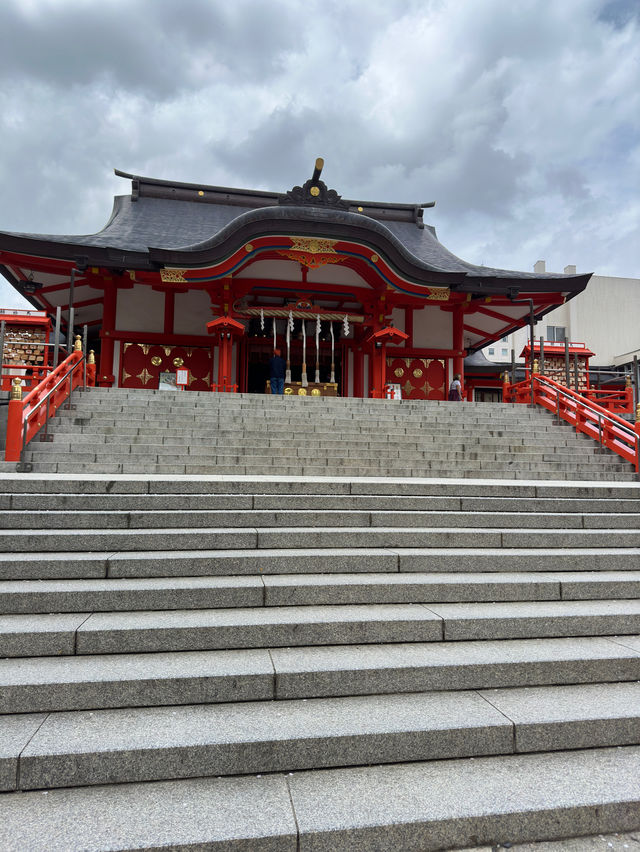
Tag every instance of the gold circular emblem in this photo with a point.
(374, 258)
(178, 362)
(315, 191)
(200, 192)
(156, 360)
(359, 209)
(417, 372)
(288, 391)
(248, 247)
(302, 391)
(398, 372)
(315, 392)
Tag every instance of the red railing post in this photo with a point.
(13, 446)
(636, 429)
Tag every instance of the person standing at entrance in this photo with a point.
(277, 369)
(455, 389)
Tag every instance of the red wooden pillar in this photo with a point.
(458, 343)
(105, 376)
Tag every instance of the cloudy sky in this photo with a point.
(520, 118)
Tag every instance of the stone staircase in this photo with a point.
(153, 432)
(304, 664)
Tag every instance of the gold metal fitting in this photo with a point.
(536, 366)
(77, 346)
(92, 357)
(505, 377)
(16, 388)
(637, 412)
(627, 381)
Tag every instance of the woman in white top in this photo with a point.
(455, 389)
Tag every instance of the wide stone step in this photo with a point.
(74, 484)
(282, 626)
(261, 518)
(225, 538)
(72, 565)
(49, 684)
(112, 594)
(343, 502)
(434, 805)
(119, 746)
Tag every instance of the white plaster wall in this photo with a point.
(432, 328)
(604, 317)
(192, 312)
(140, 309)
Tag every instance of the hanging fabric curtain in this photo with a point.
(333, 366)
(304, 382)
(287, 377)
(317, 378)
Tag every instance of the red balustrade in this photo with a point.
(27, 416)
(584, 415)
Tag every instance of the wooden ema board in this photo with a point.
(554, 368)
(23, 346)
(312, 389)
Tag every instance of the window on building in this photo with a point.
(556, 333)
(505, 339)
(492, 352)
(504, 352)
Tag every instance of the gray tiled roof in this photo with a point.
(169, 224)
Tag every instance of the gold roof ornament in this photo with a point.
(77, 346)
(92, 357)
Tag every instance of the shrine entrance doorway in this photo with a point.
(260, 350)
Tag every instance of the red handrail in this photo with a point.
(27, 416)
(584, 415)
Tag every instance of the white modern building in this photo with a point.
(605, 317)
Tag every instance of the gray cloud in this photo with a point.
(521, 119)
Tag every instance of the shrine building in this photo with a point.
(358, 295)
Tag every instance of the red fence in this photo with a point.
(584, 415)
(27, 416)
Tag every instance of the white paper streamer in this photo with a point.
(261, 320)
(333, 367)
(287, 377)
(304, 382)
(317, 378)
(345, 324)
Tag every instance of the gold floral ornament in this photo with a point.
(156, 360)
(315, 392)
(288, 391)
(398, 372)
(302, 391)
(417, 373)
(315, 191)
(178, 362)
(173, 276)
(312, 252)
